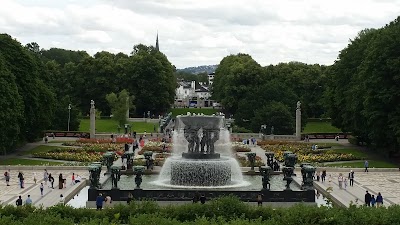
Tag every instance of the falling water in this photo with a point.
(179, 172)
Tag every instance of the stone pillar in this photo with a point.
(92, 120)
(298, 121)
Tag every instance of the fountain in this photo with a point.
(203, 157)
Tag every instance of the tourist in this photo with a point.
(130, 198)
(34, 177)
(60, 181)
(46, 139)
(318, 175)
(21, 179)
(260, 199)
(61, 201)
(73, 179)
(367, 198)
(78, 179)
(351, 178)
(323, 176)
(19, 201)
(330, 180)
(379, 200)
(373, 201)
(51, 180)
(366, 164)
(45, 176)
(28, 200)
(345, 183)
(41, 189)
(340, 181)
(7, 176)
(99, 201)
(107, 201)
(203, 199)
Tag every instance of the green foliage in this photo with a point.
(363, 88)
(227, 210)
(119, 105)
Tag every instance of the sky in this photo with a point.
(193, 32)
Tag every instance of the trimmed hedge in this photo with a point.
(227, 210)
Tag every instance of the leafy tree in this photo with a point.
(119, 105)
(63, 56)
(11, 115)
(150, 77)
(38, 98)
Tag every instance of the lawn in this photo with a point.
(28, 162)
(320, 127)
(110, 126)
(355, 152)
(184, 111)
(360, 164)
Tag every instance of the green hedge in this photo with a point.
(319, 120)
(227, 210)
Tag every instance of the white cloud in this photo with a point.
(199, 32)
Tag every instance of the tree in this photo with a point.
(38, 98)
(11, 113)
(119, 105)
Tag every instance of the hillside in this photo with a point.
(200, 69)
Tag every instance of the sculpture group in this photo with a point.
(201, 140)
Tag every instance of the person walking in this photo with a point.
(203, 199)
(323, 176)
(379, 200)
(34, 177)
(340, 181)
(41, 189)
(366, 165)
(373, 201)
(28, 200)
(60, 181)
(260, 199)
(51, 180)
(351, 178)
(7, 176)
(367, 198)
(73, 179)
(345, 183)
(45, 176)
(99, 201)
(19, 201)
(21, 179)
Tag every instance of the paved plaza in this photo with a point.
(9, 194)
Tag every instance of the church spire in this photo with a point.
(157, 46)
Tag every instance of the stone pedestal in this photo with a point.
(92, 120)
(298, 121)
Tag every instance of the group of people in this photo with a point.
(251, 140)
(103, 201)
(371, 200)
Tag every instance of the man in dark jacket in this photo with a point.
(367, 199)
(19, 201)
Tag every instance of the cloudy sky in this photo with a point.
(193, 32)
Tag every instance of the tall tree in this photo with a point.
(11, 113)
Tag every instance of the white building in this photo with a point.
(192, 94)
(211, 78)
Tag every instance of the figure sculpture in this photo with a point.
(115, 176)
(266, 173)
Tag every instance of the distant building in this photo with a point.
(211, 78)
(192, 94)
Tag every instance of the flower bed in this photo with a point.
(81, 152)
(240, 147)
(244, 162)
(119, 140)
(156, 147)
(304, 152)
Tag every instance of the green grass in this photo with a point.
(37, 149)
(28, 162)
(184, 111)
(320, 127)
(355, 152)
(372, 164)
(110, 126)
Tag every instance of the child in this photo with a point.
(373, 201)
(41, 189)
(345, 183)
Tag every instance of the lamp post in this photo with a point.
(69, 114)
